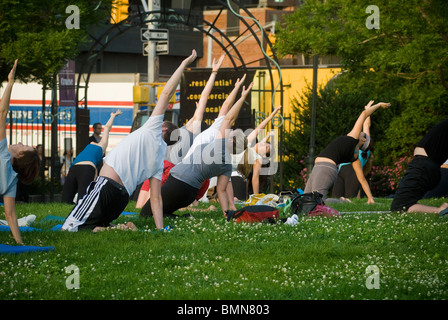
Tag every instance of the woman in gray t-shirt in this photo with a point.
(206, 161)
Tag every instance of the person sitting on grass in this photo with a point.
(18, 162)
(136, 158)
(342, 149)
(85, 166)
(423, 172)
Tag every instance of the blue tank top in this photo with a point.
(360, 157)
(92, 152)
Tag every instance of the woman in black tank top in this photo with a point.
(340, 150)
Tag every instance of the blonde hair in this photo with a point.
(240, 144)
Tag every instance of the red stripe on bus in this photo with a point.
(60, 127)
(95, 103)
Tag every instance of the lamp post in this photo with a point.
(312, 149)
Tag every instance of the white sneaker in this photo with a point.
(293, 220)
(26, 221)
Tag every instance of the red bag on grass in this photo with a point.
(256, 213)
(311, 204)
(323, 210)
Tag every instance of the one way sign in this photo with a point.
(162, 48)
(153, 34)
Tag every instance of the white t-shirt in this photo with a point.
(238, 158)
(206, 136)
(140, 155)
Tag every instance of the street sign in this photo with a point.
(153, 34)
(162, 47)
(146, 48)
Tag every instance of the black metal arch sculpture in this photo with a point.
(140, 19)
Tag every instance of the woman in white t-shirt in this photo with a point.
(136, 158)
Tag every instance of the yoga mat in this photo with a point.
(53, 218)
(4, 249)
(125, 213)
(363, 212)
(30, 229)
(49, 218)
(22, 229)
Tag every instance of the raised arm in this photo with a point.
(369, 110)
(362, 180)
(4, 103)
(232, 115)
(231, 97)
(366, 126)
(9, 202)
(200, 107)
(171, 85)
(253, 135)
(107, 127)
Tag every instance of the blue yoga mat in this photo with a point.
(126, 213)
(22, 229)
(4, 248)
(29, 229)
(50, 218)
(53, 218)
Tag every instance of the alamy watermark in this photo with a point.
(73, 20)
(213, 152)
(72, 281)
(373, 21)
(373, 277)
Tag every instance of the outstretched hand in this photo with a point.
(12, 73)
(276, 110)
(368, 105)
(116, 113)
(239, 81)
(191, 58)
(384, 105)
(217, 64)
(246, 91)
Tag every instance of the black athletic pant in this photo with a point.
(347, 184)
(422, 175)
(176, 194)
(77, 181)
(239, 188)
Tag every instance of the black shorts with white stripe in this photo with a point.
(104, 201)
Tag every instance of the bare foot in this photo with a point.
(128, 226)
(122, 226)
(443, 206)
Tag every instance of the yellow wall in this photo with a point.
(294, 84)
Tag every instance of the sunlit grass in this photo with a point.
(209, 258)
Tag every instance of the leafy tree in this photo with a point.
(35, 32)
(404, 61)
(337, 108)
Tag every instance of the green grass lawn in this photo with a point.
(209, 258)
